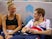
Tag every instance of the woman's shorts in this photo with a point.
(17, 33)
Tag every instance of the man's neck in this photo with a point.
(41, 19)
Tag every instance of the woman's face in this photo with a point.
(36, 16)
(12, 9)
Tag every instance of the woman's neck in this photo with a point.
(11, 15)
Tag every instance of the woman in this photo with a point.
(11, 22)
(1, 26)
(38, 25)
(1, 37)
(0, 23)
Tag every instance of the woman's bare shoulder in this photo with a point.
(4, 16)
(18, 15)
(1, 15)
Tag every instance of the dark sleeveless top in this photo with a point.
(12, 22)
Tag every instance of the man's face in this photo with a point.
(36, 15)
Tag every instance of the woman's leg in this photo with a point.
(9, 36)
(1, 37)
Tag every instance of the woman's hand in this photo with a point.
(8, 36)
(10, 33)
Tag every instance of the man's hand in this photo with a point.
(25, 30)
(33, 31)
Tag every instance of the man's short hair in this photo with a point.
(40, 11)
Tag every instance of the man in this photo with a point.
(38, 25)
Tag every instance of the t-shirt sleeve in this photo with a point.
(29, 23)
(48, 24)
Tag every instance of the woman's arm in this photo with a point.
(18, 17)
(0, 21)
(4, 25)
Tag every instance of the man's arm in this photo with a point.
(27, 27)
(45, 32)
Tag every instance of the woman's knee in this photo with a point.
(8, 37)
(1, 37)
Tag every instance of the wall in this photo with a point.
(27, 8)
(31, 0)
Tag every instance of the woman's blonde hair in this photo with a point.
(9, 3)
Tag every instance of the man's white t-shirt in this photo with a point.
(44, 25)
